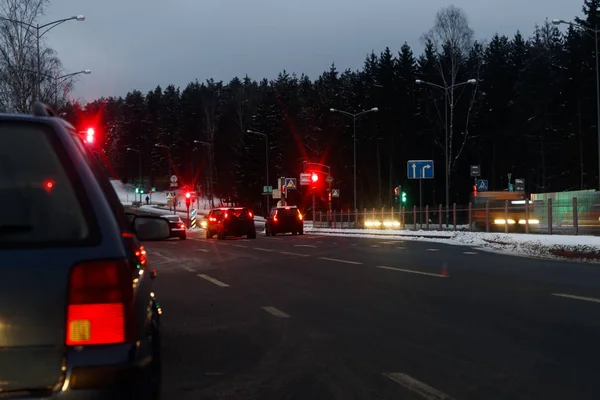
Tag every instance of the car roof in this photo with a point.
(286, 207)
(228, 208)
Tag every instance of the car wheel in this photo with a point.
(182, 237)
(301, 232)
(252, 235)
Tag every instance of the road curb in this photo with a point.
(310, 230)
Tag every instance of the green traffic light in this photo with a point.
(137, 190)
(404, 197)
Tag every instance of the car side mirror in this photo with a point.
(150, 228)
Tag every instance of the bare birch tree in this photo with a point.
(18, 57)
(452, 39)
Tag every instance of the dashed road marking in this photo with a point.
(470, 252)
(411, 271)
(416, 386)
(352, 244)
(293, 254)
(572, 296)
(189, 269)
(262, 249)
(374, 245)
(239, 245)
(305, 245)
(274, 311)
(340, 261)
(392, 242)
(400, 248)
(213, 280)
(204, 250)
(433, 249)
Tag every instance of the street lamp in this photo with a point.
(595, 32)
(266, 157)
(39, 32)
(354, 117)
(58, 79)
(140, 167)
(210, 170)
(445, 90)
(169, 152)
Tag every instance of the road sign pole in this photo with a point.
(313, 208)
(421, 203)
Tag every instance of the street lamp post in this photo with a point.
(595, 31)
(210, 170)
(41, 30)
(354, 117)
(57, 80)
(445, 90)
(266, 158)
(169, 152)
(140, 168)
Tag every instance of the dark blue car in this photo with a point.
(78, 318)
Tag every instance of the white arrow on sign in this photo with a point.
(423, 170)
(414, 170)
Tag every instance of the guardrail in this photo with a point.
(525, 216)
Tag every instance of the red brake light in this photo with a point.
(212, 219)
(249, 214)
(299, 215)
(275, 217)
(182, 226)
(49, 184)
(98, 294)
(287, 207)
(226, 215)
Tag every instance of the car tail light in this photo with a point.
(182, 226)
(98, 299)
(299, 215)
(249, 214)
(226, 215)
(275, 217)
(287, 208)
(212, 219)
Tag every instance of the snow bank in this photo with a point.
(546, 246)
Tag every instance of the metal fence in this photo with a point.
(533, 215)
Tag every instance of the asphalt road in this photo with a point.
(313, 317)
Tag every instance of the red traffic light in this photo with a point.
(188, 195)
(90, 135)
(314, 177)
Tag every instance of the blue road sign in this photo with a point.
(482, 185)
(193, 212)
(335, 192)
(420, 169)
(290, 183)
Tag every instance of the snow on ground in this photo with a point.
(517, 244)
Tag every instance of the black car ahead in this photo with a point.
(230, 221)
(176, 225)
(287, 219)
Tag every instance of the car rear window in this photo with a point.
(239, 212)
(38, 201)
(287, 212)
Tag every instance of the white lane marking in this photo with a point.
(171, 242)
(470, 252)
(572, 296)
(433, 249)
(293, 254)
(416, 386)
(225, 244)
(401, 248)
(195, 239)
(239, 245)
(374, 245)
(189, 269)
(392, 242)
(352, 244)
(204, 250)
(213, 280)
(274, 311)
(341, 261)
(261, 249)
(305, 245)
(319, 241)
(410, 271)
